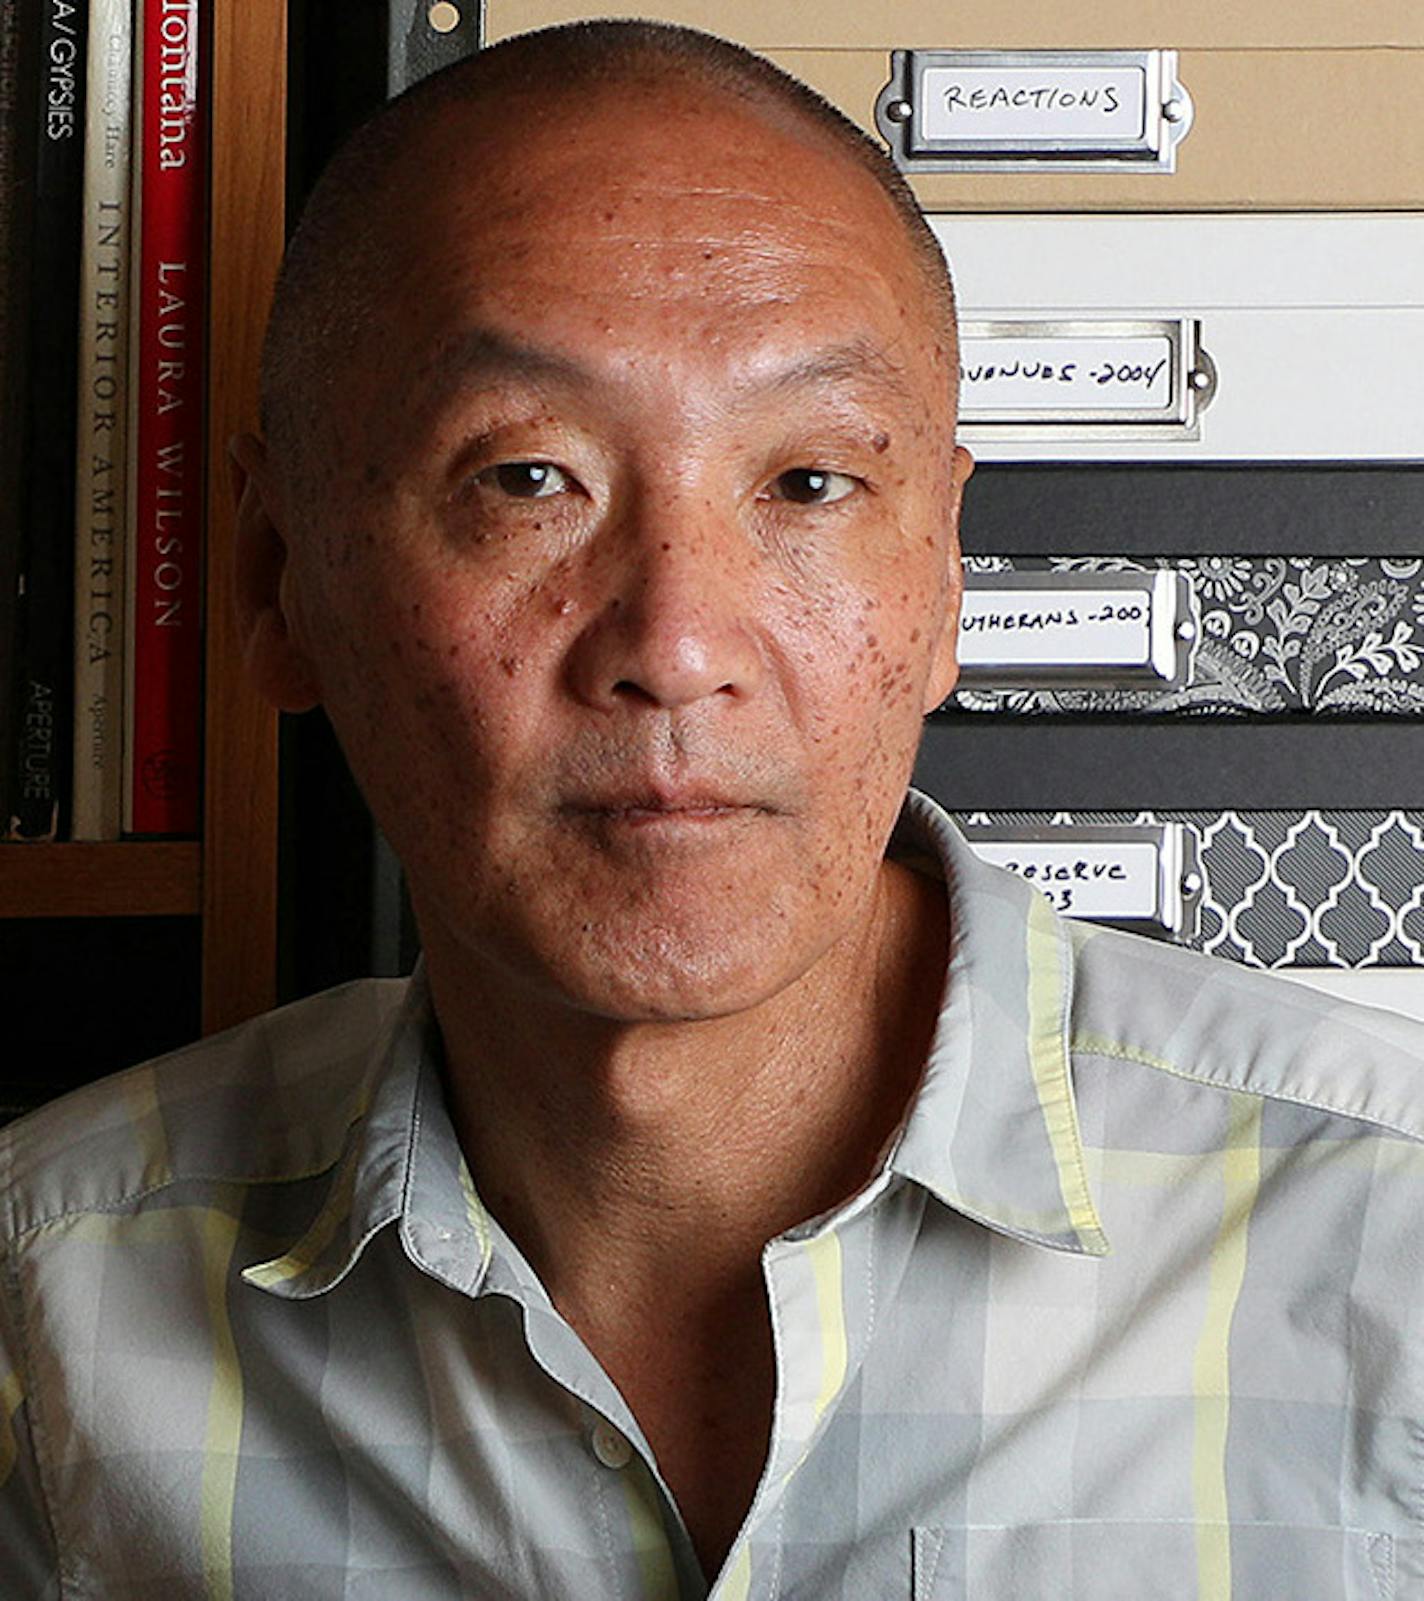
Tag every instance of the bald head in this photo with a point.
(349, 246)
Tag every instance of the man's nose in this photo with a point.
(676, 620)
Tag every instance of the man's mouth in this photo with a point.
(653, 807)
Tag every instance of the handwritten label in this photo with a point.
(1112, 881)
(1009, 373)
(1033, 105)
(1045, 628)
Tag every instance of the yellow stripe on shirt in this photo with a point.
(475, 1211)
(657, 1576)
(224, 1432)
(140, 1092)
(1240, 1163)
(309, 1249)
(1048, 1057)
(825, 1256)
(736, 1583)
(12, 1394)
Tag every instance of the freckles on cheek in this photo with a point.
(880, 708)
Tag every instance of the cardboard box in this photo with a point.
(772, 25)
(1282, 130)
(1298, 107)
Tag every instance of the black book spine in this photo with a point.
(19, 45)
(42, 710)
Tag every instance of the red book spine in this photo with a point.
(166, 721)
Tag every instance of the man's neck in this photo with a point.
(604, 1148)
(641, 1169)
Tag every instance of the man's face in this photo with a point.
(633, 571)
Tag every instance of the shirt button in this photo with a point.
(609, 1446)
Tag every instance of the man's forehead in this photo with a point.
(739, 222)
(713, 334)
(485, 356)
(678, 154)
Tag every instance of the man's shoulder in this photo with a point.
(1214, 1023)
(269, 1100)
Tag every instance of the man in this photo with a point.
(741, 1201)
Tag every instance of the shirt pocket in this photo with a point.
(1121, 1560)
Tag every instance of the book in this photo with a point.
(38, 782)
(162, 776)
(100, 502)
(19, 78)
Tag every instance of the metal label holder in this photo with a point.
(1034, 83)
(1191, 380)
(1170, 630)
(1072, 864)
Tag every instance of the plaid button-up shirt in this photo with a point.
(1132, 1309)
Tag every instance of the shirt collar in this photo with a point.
(401, 1164)
(993, 1129)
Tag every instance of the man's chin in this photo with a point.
(689, 940)
(683, 963)
(685, 985)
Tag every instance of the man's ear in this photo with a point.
(271, 646)
(944, 669)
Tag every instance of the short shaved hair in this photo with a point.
(339, 256)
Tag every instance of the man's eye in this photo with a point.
(526, 480)
(812, 486)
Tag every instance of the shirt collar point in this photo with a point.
(1076, 1231)
(1093, 1242)
(446, 1253)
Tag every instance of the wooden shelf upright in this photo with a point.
(229, 878)
(247, 233)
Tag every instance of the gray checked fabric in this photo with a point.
(1133, 1309)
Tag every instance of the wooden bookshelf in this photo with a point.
(239, 879)
(130, 879)
(229, 879)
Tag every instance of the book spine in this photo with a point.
(163, 760)
(10, 178)
(99, 501)
(19, 76)
(40, 737)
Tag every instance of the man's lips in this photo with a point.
(634, 807)
(657, 805)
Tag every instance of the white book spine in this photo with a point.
(101, 498)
